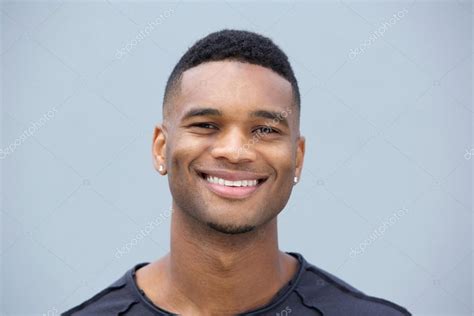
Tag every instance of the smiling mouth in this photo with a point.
(231, 183)
(232, 189)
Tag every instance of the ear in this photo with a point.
(159, 149)
(300, 150)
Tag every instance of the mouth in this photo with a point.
(232, 185)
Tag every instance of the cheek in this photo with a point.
(179, 157)
(282, 159)
(182, 151)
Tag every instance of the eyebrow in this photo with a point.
(271, 115)
(201, 112)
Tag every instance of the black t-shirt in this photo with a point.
(312, 291)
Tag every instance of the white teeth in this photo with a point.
(238, 183)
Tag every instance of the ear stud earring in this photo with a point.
(161, 168)
(295, 180)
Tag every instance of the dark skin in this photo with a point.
(224, 257)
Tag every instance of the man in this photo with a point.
(231, 147)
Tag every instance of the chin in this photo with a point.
(230, 229)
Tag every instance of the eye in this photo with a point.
(204, 125)
(266, 130)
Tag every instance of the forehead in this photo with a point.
(234, 86)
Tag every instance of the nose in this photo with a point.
(234, 146)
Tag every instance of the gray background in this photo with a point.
(389, 130)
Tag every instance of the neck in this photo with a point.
(220, 274)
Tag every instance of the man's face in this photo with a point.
(231, 145)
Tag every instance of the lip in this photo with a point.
(233, 175)
(228, 191)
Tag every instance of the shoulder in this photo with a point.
(115, 299)
(332, 296)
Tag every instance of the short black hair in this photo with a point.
(239, 45)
